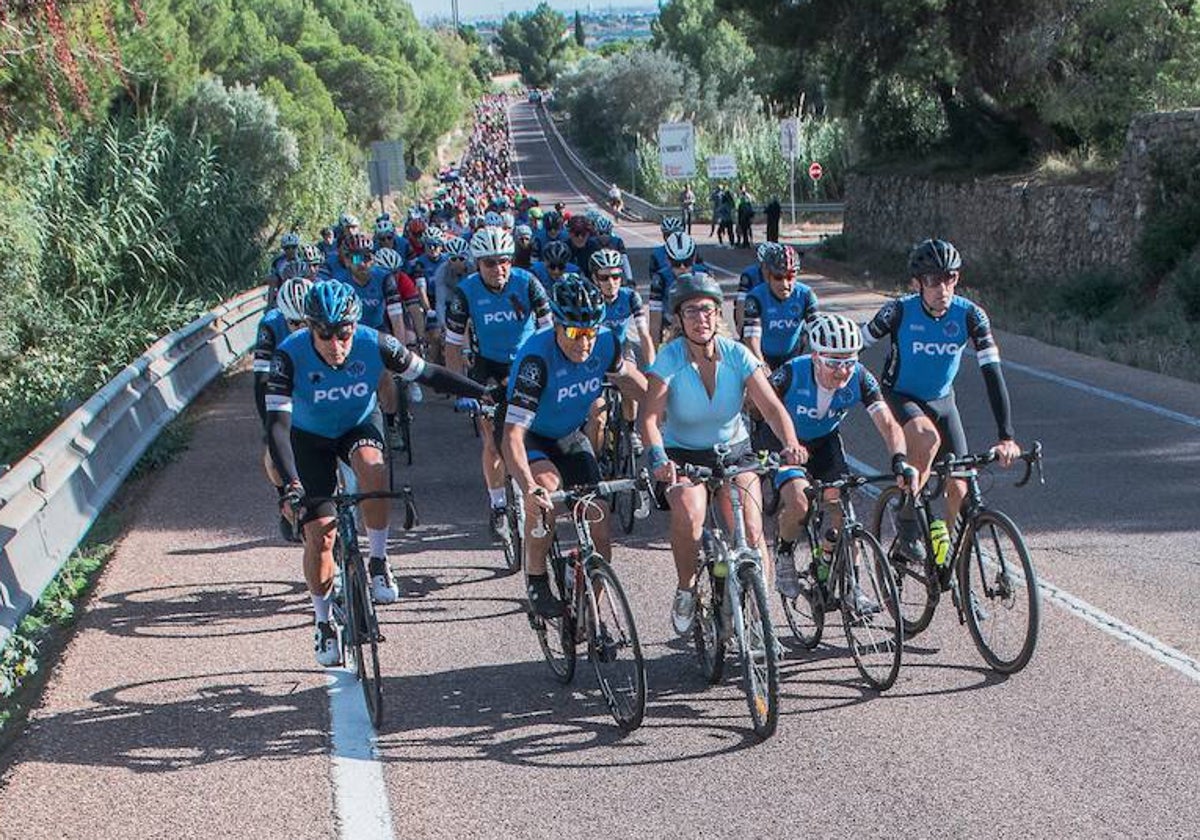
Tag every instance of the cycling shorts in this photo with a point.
(740, 455)
(943, 412)
(826, 460)
(317, 457)
(572, 456)
(486, 371)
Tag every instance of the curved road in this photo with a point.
(187, 704)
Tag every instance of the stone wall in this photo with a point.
(1040, 230)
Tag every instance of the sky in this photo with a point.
(467, 9)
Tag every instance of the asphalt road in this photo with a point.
(188, 704)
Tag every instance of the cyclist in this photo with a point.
(818, 391)
(615, 203)
(681, 259)
(523, 240)
(554, 264)
(658, 257)
(286, 263)
(411, 328)
(276, 325)
(503, 305)
(327, 242)
(558, 374)
(314, 260)
(385, 237)
(550, 231)
(929, 329)
(777, 310)
(581, 241)
(320, 400)
(699, 381)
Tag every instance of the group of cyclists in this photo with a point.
(482, 294)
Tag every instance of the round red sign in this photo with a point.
(815, 171)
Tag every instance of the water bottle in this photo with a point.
(940, 538)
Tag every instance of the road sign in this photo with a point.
(815, 171)
(412, 173)
(391, 151)
(378, 174)
(789, 138)
(677, 150)
(722, 166)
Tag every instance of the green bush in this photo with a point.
(835, 247)
(1186, 283)
(1095, 293)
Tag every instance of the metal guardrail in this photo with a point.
(52, 496)
(641, 209)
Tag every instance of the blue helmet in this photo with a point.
(332, 302)
(576, 302)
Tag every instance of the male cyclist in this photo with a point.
(680, 250)
(929, 331)
(285, 264)
(776, 311)
(320, 401)
(550, 231)
(658, 256)
(554, 264)
(818, 391)
(503, 305)
(558, 374)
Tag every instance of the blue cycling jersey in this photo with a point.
(501, 319)
(549, 394)
(426, 266)
(542, 273)
(778, 324)
(750, 278)
(812, 416)
(375, 295)
(330, 401)
(623, 312)
(926, 351)
(542, 237)
(272, 330)
(658, 260)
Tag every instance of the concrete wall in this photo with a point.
(1038, 229)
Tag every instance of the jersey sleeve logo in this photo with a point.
(530, 374)
(277, 366)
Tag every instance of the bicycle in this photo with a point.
(595, 608)
(617, 457)
(988, 561)
(353, 610)
(731, 596)
(858, 582)
(513, 542)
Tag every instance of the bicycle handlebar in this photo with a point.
(603, 488)
(767, 462)
(950, 464)
(342, 500)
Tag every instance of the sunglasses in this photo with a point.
(576, 333)
(387, 236)
(698, 311)
(295, 325)
(360, 259)
(458, 259)
(932, 281)
(493, 262)
(609, 275)
(342, 332)
(839, 364)
(684, 264)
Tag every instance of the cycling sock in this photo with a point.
(321, 605)
(377, 538)
(496, 497)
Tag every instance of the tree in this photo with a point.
(696, 33)
(533, 41)
(580, 35)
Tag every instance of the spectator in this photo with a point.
(687, 207)
(745, 219)
(774, 211)
(715, 199)
(724, 216)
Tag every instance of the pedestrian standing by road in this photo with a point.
(745, 219)
(724, 216)
(687, 206)
(774, 211)
(714, 198)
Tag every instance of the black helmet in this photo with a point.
(576, 302)
(689, 286)
(933, 256)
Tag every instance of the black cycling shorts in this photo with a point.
(740, 455)
(943, 412)
(572, 456)
(826, 460)
(317, 457)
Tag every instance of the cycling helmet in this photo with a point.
(432, 238)
(576, 302)
(290, 300)
(348, 220)
(416, 227)
(592, 215)
(680, 247)
(829, 332)
(359, 243)
(579, 224)
(384, 226)
(781, 259)
(671, 224)
(389, 259)
(383, 217)
(603, 225)
(522, 232)
(933, 256)
(535, 213)
(493, 219)
(492, 242)
(330, 303)
(606, 259)
(507, 220)
(312, 255)
(764, 248)
(456, 246)
(290, 240)
(556, 253)
(551, 219)
(689, 286)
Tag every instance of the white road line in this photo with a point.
(1137, 639)
(360, 798)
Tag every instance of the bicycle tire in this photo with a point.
(367, 642)
(879, 635)
(760, 662)
(556, 636)
(707, 635)
(916, 581)
(624, 688)
(514, 546)
(344, 610)
(805, 614)
(625, 503)
(991, 601)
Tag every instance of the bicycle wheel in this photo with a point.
(760, 664)
(706, 631)
(916, 583)
(805, 613)
(875, 635)
(997, 580)
(614, 648)
(625, 504)
(514, 546)
(556, 636)
(367, 642)
(344, 610)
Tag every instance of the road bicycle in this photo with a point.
(596, 611)
(353, 611)
(731, 596)
(618, 458)
(513, 541)
(853, 579)
(986, 568)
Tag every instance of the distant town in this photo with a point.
(602, 26)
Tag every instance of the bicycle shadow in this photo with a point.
(230, 548)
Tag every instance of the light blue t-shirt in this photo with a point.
(694, 420)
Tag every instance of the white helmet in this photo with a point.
(456, 246)
(492, 242)
(680, 247)
(290, 300)
(493, 219)
(671, 224)
(290, 240)
(832, 333)
(389, 259)
(507, 220)
(523, 231)
(348, 220)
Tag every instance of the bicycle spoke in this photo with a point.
(999, 587)
(614, 648)
(870, 612)
(760, 666)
